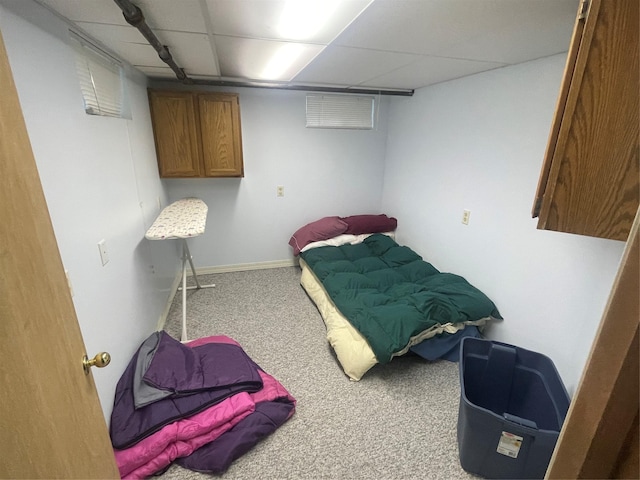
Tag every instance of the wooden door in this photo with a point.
(175, 129)
(221, 137)
(51, 423)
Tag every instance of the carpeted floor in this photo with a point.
(399, 421)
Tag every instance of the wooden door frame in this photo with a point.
(600, 436)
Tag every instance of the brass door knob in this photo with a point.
(101, 360)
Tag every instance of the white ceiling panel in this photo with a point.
(193, 50)
(158, 72)
(515, 42)
(178, 15)
(381, 44)
(139, 54)
(126, 42)
(430, 70)
(352, 66)
(442, 27)
(87, 10)
(410, 26)
(112, 34)
(143, 56)
(248, 58)
(261, 18)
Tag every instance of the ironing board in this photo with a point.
(183, 219)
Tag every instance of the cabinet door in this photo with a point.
(175, 126)
(590, 182)
(221, 137)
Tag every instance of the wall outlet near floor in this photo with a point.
(104, 256)
(279, 191)
(465, 216)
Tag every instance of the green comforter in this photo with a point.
(390, 294)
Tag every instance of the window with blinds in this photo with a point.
(100, 77)
(340, 111)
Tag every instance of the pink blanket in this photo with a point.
(183, 437)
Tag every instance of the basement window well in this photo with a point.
(340, 111)
(100, 77)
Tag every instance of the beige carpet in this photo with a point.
(398, 422)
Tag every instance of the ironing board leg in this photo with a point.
(186, 255)
(183, 337)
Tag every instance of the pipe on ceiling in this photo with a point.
(134, 17)
(300, 87)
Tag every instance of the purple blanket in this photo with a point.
(177, 382)
(185, 373)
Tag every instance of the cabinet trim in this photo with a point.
(561, 103)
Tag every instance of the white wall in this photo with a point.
(100, 181)
(477, 143)
(324, 172)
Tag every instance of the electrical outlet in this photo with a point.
(280, 191)
(104, 256)
(465, 216)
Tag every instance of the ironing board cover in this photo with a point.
(182, 219)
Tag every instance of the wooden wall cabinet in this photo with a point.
(590, 179)
(197, 134)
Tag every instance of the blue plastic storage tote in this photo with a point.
(512, 407)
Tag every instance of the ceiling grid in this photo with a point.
(391, 45)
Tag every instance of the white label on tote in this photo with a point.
(509, 444)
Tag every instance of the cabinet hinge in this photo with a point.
(584, 9)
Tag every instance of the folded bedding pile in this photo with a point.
(201, 405)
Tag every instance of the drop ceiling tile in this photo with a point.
(410, 26)
(377, 41)
(191, 51)
(112, 34)
(515, 41)
(352, 66)
(248, 58)
(141, 55)
(259, 19)
(124, 41)
(178, 15)
(428, 71)
(88, 10)
(157, 72)
(442, 27)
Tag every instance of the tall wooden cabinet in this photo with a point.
(197, 134)
(590, 180)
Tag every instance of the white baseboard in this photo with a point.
(240, 267)
(162, 320)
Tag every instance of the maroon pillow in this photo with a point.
(323, 229)
(358, 224)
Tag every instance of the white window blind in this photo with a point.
(340, 111)
(100, 80)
